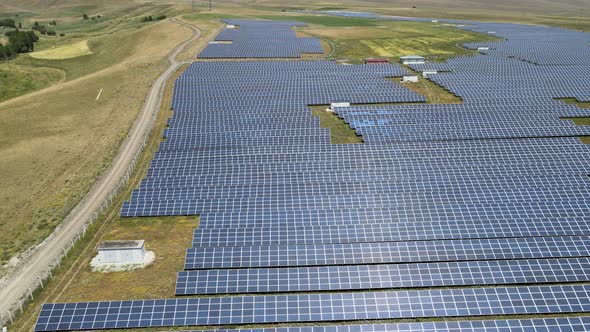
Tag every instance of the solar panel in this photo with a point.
(260, 39)
(490, 191)
(386, 252)
(360, 277)
(314, 307)
(269, 232)
(563, 324)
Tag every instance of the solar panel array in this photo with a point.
(565, 324)
(462, 210)
(261, 39)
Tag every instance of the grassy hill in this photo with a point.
(59, 140)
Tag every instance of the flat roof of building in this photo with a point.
(121, 244)
(409, 57)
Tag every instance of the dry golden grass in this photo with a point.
(64, 52)
(167, 237)
(56, 142)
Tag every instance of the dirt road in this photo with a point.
(26, 276)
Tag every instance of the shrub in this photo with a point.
(5, 52)
(21, 41)
(41, 28)
(8, 22)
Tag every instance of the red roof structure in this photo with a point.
(376, 60)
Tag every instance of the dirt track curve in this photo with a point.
(25, 276)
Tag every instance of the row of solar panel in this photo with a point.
(223, 230)
(562, 324)
(384, 276)
(386, 252)
(314, 307)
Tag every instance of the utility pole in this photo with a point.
(210, 5)
(193, 7)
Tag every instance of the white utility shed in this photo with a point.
(121, 252)
(410, 79)
(339, 104)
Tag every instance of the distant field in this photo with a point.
(572, 14)
(81, 36)
(395, 39)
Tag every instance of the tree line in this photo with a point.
(153, 18)
(18, 42)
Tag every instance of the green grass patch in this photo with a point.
(210, 16)
(19, 80)
(434, 93)
(578, 121)
(395, 39)
(332, 8)
(104, 51)
(574, 101)
(328, 21)
(340, 131)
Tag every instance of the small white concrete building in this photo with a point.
(412, 60)
(122, 252)
(339, 104)
(410, 79)
(427, 72)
